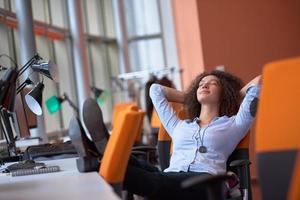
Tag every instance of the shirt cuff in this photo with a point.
(253, 89)
(156, 91)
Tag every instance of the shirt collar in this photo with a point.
(196, 119)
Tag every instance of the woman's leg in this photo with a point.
(142, 178)
(171, 186)
(146, 180)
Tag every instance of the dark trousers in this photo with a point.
(146, 180)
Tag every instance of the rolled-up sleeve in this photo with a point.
(165, 112)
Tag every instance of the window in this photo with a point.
(146, 35)
(51, 15)
(146, 39)
(101, 47)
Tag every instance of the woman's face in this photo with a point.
(209, 90)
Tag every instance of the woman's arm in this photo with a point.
(160, 98)
(173, 95)
(255, 81)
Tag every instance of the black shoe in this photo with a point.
(93, 121)
(88, 156)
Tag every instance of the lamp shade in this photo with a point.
(34, 99)
(48, 69)
(100, 95)
(103, 97)
(97, 92)
(53, 104)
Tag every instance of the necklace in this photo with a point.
(202, 148)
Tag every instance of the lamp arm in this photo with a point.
(71, 103)
(26, 82)
(28, 64)
(21, 87)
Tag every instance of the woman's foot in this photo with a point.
(88, 156)
(94, 125)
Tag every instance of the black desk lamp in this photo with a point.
(8, 82)
(8, 90)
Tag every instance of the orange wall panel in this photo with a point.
(188, 39)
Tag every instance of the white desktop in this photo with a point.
(67, 184)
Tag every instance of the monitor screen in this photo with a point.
(22, 122)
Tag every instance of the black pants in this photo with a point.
(146, 180)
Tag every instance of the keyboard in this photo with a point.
(26, 164)
(47, 150)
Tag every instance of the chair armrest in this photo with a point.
(144, 148)
(213, 185)
(150, 153)
(239, 163)
(204, 180)
(138, 153)
(243, 172)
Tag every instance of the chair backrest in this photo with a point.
(117, 151)
(138, 137)
(277, 129)
(118, 107)
(155, 122)
(241, 151)
(123, 106)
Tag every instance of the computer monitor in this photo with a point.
(14, 126)
(6, 127)
(22, 122)
(8, 131)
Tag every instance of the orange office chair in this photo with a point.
(115, 159)
(278, 130)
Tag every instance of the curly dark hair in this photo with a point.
(230, 88)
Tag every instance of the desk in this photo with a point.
(64, 185)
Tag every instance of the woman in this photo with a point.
(202, 144)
